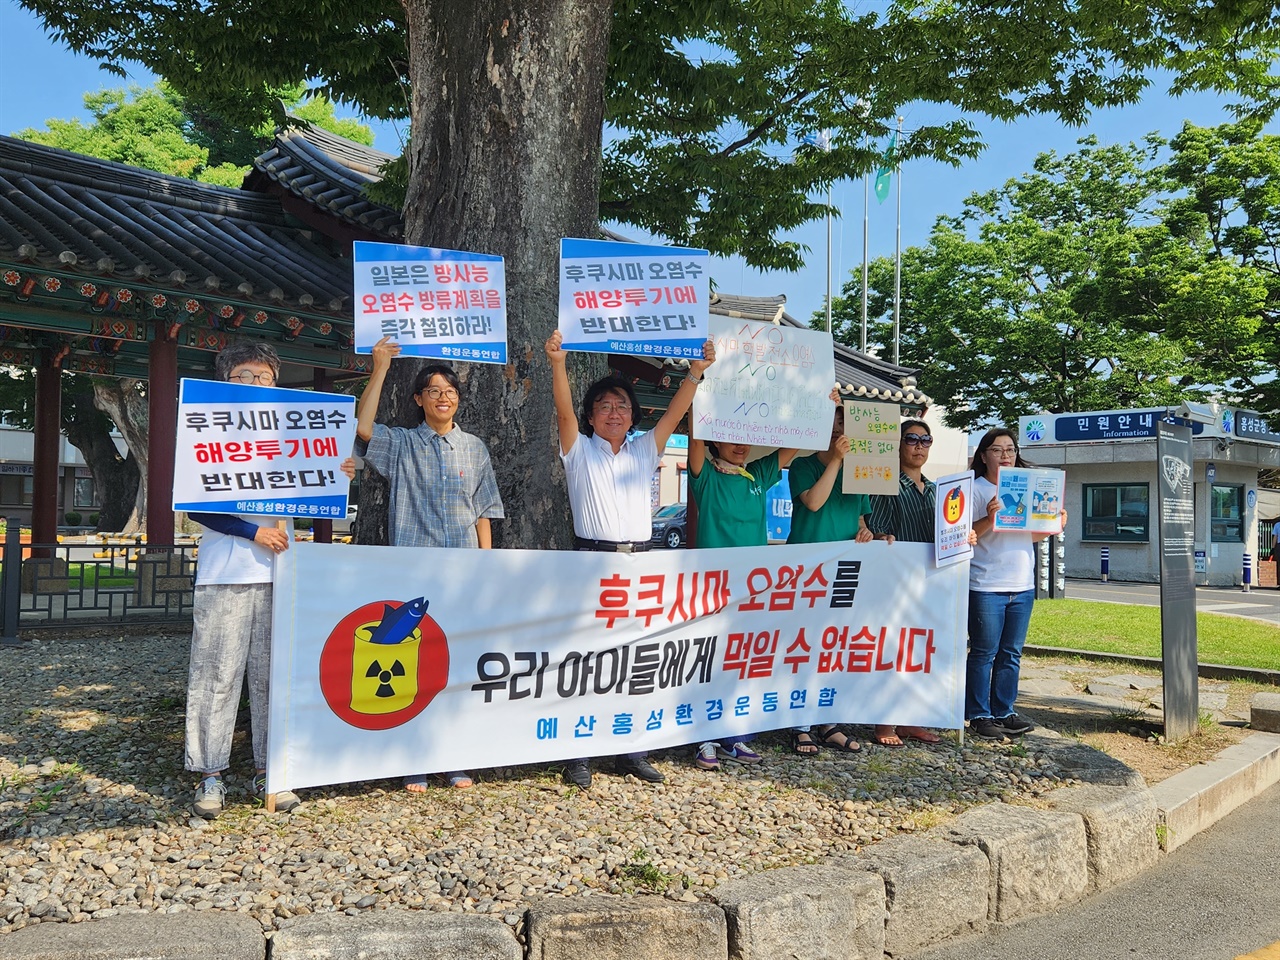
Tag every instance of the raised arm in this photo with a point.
(697, 456)
(683, 399)
(566, 419)
(816, 496)
(383, 352)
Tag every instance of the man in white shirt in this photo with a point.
(609, 477)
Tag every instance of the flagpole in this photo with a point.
(897, 260)
(866, 233)
(828, 258)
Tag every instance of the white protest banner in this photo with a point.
(871, 465)
(1030, 498)
(388, 661)
(770, 386)
(450, 304)
(630, 298)
(262, 450)
(952, 520)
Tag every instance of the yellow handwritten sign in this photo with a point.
(871, 465)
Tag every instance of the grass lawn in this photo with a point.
(1135, 630)
(98, 575)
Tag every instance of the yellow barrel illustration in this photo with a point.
(384, 676)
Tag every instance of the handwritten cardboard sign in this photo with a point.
(871, 465)
(770, 386)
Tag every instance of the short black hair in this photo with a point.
(423, 380)
(246, 351)
(610, 384)
(979, 466)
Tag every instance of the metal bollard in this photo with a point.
(1106, 564)
(11, 585)
(1248, 571)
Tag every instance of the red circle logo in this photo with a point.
(383, 663)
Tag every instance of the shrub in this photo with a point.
(300, 524)
(73, 519)
(93, 520)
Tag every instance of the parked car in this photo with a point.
(669, 525)
(346, 527)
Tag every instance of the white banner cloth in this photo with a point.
(389, 661)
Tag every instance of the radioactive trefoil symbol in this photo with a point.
(384, 677)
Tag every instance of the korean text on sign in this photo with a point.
(630, 298)
(550, 655)
(434, 303)
(871, 465)
(261, 450)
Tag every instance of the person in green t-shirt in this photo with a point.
(730, 494)
(821, 512)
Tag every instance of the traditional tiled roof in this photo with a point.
(329, 172)
(116, 223)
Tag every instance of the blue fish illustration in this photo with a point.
(398, 624)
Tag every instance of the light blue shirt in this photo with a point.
(440, 485)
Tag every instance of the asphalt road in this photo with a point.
(1215, 898)
(1258, 603)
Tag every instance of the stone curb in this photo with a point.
(1207, 671)
(994, 864)
(1195, 799)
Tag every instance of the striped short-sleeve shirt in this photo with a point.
(909, 515)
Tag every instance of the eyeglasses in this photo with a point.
(435, 393)
(608, 408)
(1003, 451)
(917, 440)
(248, 376)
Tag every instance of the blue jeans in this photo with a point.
(997, 630)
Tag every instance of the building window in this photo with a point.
(17, 490)
(1226, 513)
(1117, 511)
(85, 495)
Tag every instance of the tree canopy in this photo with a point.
(705, 102)
(159, 129)
(533, 120)
(1115, 276)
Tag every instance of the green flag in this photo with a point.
(887, 163)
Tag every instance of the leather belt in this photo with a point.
(611, 546)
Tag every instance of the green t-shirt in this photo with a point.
(838, 517)
(730, 507)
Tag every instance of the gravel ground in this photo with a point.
(95, 818)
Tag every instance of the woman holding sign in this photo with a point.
(1001, 594)
(907, 516)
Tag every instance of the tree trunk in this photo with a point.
(126, 404)
(508, 106)
(115, 476)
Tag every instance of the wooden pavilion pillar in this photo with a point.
(321, 530)
(48, 434)
(162, 436)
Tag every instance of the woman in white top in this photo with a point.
(1001, 595)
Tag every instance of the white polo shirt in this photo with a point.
(1001, 562)
(608, 492)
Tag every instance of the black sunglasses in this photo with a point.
(917, 440)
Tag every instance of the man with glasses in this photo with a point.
(609, 479)
(443, 491)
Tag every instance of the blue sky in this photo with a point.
(40, 79)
